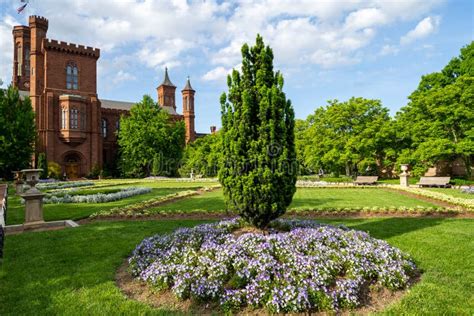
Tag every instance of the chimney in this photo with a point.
(213, 129)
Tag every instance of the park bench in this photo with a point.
(440, 182)
(3, 212)
(366, 180)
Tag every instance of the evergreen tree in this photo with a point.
(258, 173)
(43, 164)
(17, 132)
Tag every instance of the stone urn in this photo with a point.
(404, 175)
(33, 199)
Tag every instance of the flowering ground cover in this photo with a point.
(458, 193)
(95, 197)
(75, 211)
(73, 271)
(296, 266)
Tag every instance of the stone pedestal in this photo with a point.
(18, 182)
(404, 176)
(33, 209)
(33, 200)
(18, 188)
(404, 180)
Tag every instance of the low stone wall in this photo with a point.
(3, 215)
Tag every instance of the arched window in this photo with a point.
(104, 128)
(64, 119)
(73, 119)
(71, 77)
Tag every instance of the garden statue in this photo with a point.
(404, 176)
(33, 199)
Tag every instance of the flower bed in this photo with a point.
(141, 209)
(96, 198)
(63, 185)
(296, 266)
(465, 203)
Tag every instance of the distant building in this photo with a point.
(75, 128)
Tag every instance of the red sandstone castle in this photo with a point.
(75, 128)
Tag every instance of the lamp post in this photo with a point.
(33, 199)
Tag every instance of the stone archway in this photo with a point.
(72, 165)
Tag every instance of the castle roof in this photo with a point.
(188, 85)
(167, 81)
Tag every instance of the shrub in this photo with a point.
(43, 164)
(299, 266)
(258, 142)
(54, 170)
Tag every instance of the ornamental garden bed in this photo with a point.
(294, 266)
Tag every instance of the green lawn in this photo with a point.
(72, 271)
(75, 211)
(307, 198)
(453, 192)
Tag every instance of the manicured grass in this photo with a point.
(308, 198)
(453, 192)
(75, 211)
(72, 271)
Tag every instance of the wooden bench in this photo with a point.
(366, 180)
(440, 182)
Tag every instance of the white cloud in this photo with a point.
(123, 76)
(389, 50)
(158, 33)
(424, 28)
(216, 74)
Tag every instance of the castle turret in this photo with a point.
(166, 92)
(38, 28)
(21, 57)
(188, 111)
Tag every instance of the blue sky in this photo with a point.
(325, 49)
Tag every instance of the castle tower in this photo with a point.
(166, 92)
(38, 28)
(21, 57)
(188, 111)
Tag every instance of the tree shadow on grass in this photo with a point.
(385, 228)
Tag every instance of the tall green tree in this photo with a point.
(147, 135)
(258, 144)
(438, 122)
(345, 137)
(43, 165)
(17, 132)
(202, 156)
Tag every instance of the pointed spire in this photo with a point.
(167, 81)
(188, 85)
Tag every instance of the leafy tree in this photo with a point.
(202, 156)
(147, 134)
(43, 164)
(17, 132)
(438, 122)
(346, 137)
(258, 144)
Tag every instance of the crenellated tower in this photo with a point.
(188, 111)
(21, 57)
